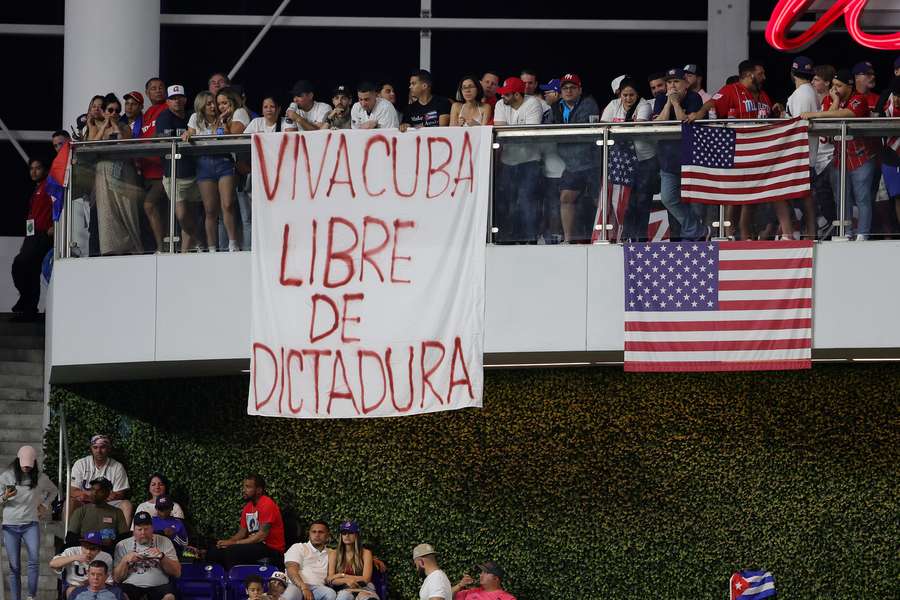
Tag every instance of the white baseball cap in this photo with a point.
(175, 90)
(617, 83)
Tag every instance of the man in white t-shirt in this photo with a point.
(145, 562)
(306, 565)
(99, 464)
(305, 112)
(74, 561)
(517, 211)
(372, 111)
(804, 99)
(436, 585)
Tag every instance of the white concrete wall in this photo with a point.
(540, 299)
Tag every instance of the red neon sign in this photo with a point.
(787, 12)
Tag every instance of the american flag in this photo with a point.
(752, 585)
(744, 164)
(718, 306)
(622, 166)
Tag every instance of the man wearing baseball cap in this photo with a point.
(694, 78)
(436, 585)
(676, 105)
(74, 561)
(517, 212)
(551, 92)
(864, 84)
(490, 584)
(804, 99)
(305, 113)
(581, 175)
(97, 515)
(339, 116)
(132, 112)
(100, 464)
(145, 563)
(844, 102)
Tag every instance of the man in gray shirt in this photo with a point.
(145, 562)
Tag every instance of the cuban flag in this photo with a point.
(752, 585)
(58, 179)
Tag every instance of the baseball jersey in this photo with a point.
(859, 151)
(736, 96)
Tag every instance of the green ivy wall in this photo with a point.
(580, 482)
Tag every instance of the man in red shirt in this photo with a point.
(261, 531)
(747, 100)
(490, 585)
(151, 167)
(864, 85)
(26, 267)
(489, 83)
(844, 102)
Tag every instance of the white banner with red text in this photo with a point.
(368, 272)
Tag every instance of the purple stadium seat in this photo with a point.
(235, 586)
(201, 581)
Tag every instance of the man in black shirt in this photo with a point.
(426, 110)
(173, 122)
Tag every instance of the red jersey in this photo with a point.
(871, 99)
(40, 208)
(265, 511)
(152, 167)
(738, 98)
(859, 151)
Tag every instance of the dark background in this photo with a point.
(327, 57)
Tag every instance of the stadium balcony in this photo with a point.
(170, 313)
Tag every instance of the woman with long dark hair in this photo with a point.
(26, 496)
(158, 485)
(350, 566)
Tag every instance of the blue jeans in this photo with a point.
(319, 592)
(347, 595)
(244, 203)
(12, 539)
(637, 214)
(859, 190)
(517, 206)
(692, 227)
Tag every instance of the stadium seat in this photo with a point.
(379, 580)
(235, 586)
(201, 581)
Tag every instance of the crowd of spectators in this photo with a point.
(110, 556)
(544, 192)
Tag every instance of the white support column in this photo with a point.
(425, 37)
(727, 40)
(109, 46)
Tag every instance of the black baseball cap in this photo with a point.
(143, 518)
(302, 87)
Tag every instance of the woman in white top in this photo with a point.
(270, 121)
(26, 496)
(158, 485)
(628, 106)
(470, 109)
(215, 172)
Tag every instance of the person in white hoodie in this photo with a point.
(26, 496)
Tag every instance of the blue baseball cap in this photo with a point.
(92, 537)
(862, 67)
(803, 65)
(675, 73)
(550, 86)
(349, 527)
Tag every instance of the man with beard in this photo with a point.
(436, 585)
(260, 534)
(339, 117)
(145, 562)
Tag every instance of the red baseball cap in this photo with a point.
(512, 85)
(570, 78)
(138, 97)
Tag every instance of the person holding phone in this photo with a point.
(26, 496)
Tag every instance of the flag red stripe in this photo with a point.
(738, 325)
(765, 284)
(768, 126)
(765, 263)
(774, 148)
(772, 161)
(744, 365)
(765, 304)
(775, 173)
(743, 139)
(719, 345)
(727, 200)
(766, 245)
(750, 187)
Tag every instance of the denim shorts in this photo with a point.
(213, 168)
(587, 181)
